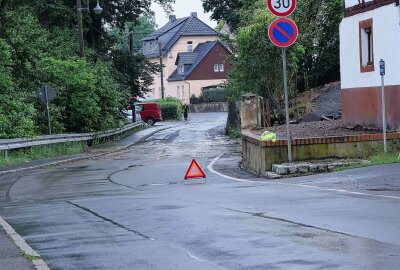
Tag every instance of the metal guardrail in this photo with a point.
(9, 144)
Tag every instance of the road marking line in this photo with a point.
(210, 168)
(345, 191)
(20, 243)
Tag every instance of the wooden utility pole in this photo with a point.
(130, 40)
(80, 28)
(162, 69)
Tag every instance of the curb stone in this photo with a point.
(272, 175)
(40, 264)
(20, 243)
(306, 168)
(280, 169)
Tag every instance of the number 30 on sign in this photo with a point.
(281, 8)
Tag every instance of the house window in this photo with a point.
(183, 92)
(367, 46)
(181, 69)
(178, 92)
(219, 68)
(190, 46)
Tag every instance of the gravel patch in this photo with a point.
(328, 103)
(318, 129)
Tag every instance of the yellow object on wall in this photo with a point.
(268, 136)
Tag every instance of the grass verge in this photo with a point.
(56, 150)
(41, 152)
(27, 256)
(233, 133)
(375, 159)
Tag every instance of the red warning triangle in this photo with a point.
(194, 171)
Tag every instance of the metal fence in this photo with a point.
(9, 144)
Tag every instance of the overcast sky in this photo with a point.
(183, 8)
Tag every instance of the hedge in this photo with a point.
(171, 108)
(214, 95)
(196, 100)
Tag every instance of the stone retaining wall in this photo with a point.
(209, 107)
(259, 156)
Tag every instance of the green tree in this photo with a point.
(88, 98)
(39, 45)
(134, 72)
(227, 10)
(144, 26)
(15, 114)
(257, 68)
(321, 63)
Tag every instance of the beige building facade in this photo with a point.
(178, 36)
(186, 88)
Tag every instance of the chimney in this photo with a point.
(193, 14)
(172, 18)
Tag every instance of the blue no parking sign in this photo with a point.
(283, 32)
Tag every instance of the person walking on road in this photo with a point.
(186, 112)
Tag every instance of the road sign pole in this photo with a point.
(48, 109)
(283, 33)
(384, 113)
(285, 83)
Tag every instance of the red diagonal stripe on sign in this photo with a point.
(277, 27)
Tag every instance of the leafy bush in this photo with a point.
(87, 98)
(233, 133)
(38, 45)
(214, 95)
(196, 100)
(169, 111)
(14, 112)
(171, 108)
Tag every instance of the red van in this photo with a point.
(150, 112)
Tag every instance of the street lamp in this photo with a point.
(98, 9)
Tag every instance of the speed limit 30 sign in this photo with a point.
(281, 8)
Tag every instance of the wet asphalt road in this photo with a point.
(131, 211)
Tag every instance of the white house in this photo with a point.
(370, 32)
